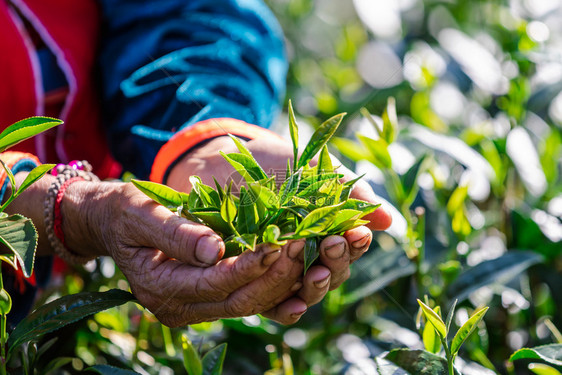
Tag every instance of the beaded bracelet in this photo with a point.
(65, 174)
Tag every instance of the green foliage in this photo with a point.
(311, 203)
(551, 354)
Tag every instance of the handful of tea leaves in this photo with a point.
(311, 203)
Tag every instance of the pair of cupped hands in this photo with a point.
(175, 267)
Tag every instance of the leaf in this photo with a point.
(357, 204)
(352, 150)
(25, 129)
(379, 151)
(33, 176)
(271, 235)
(434, 319)
(240, 146)
(290, 187)
(324, 161)
(311, 252)
(248, 218)
(466, 330)
(409, 179)
(457, 199)
(390, 121)
(228, 209)
(499, 270)
(111, 370)
(294, 130)
(214, 220)
(419, 362)
(208, 196)
(450, 315)
(64, 311)
(191, 359)
(431, 341)
(248, 163)
(542, 369)
(264, 196)
(56, 363)
(246, 240)
(343, 216)
(19, 234)
(213, 360)
(374, 271)
(162, 194)
(320, 137)
(549, 353)
(317, 222)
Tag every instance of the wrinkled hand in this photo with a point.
(170, 264)
(336, 252)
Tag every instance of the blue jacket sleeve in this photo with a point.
(167, 64)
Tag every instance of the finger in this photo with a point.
(148, 224)
(263, 293)
(288, 312)
(359, 240)
(316, 283)
(334, 254)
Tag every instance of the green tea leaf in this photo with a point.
(248, 217)
(162, 194)
(63, 311)
(290, 187)
(457, 199)
(311, 252)
(249, 164)
(450, 315)
(431, 341)
(246, 240)
(264, 196)
(549, 353)
(25, 129)
(324, 161)
(33, 176)
(240, 146)
(410, 178)
(228, 209)
(352, 150)
(213, 360)
(214, 220)
(379, 151)
(434, 319)
(317, 222)
(19, 234)
(203, 192)
(271, 235)
(499, 270)
(320, 137)
(294, 130)
(542, 369)
(359, 205)
(467, 329)
(390, 121)
(343, 216)
(191, 359)
(348, 225)
(419, 362)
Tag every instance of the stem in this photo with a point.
(450, 357)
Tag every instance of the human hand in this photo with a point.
(336, 252)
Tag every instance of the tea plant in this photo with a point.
(311, 203)
(19, 236)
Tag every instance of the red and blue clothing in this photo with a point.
(138, 83)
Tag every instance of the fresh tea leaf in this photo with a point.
(294, 130)
(542, 369)
(352, 150)
(419, 362)
(434, 319)
(324, 161)
(467, 329)
(320, 137)
(249, 164)
(240, 146)
(162, 194)
(264, 196)
(431, 341)
(214, 220)
(228, 209)
(379, 151)
(551, 354)
(390, 121)
(33, 176)
(317, 221)
(19, 234)
(311, 252)
(25, 129)
(271, 235)
(191, 359)
(213, 360)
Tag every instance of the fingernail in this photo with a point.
(295, 249)
(321, 284)
(269, 259)
(297, 315)
(361, 242)
(335, 251)
(207, 249)
(296, 286)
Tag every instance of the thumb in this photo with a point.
(379, 219)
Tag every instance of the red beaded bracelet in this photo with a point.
(65, 176)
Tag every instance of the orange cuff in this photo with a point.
(11, 158)
(187, 139)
